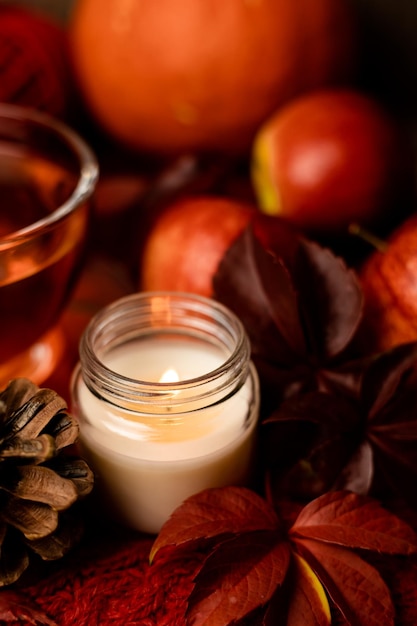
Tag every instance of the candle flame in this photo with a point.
(169, 376)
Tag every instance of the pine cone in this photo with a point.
(39, 480)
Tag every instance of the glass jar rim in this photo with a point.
(228, 376)
(89, 169)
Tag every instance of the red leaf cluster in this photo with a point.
(255, 570)
(338, 435)
(320, 441)
(333, 418)
(301, 311)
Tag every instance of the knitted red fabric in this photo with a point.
(110, 582)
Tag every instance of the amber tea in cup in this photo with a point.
(47, 177)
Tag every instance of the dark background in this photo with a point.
(58, 8)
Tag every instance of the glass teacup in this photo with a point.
(47, 177)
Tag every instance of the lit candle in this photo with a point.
(167, 401)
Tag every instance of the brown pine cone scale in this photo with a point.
(39, 480)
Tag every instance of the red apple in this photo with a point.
(185, 245)
(35, 65)
(189, 238)
(328, 159)
(389, 280)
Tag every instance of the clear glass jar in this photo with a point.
(48, 175)
(167, 401)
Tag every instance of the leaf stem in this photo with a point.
(375, 241)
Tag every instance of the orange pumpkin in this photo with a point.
(169, 76)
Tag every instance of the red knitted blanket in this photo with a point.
(108, 581)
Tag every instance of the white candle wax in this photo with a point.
(148, 464)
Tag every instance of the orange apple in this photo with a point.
(327, 159)
(389, 281)
(187, 241)
(191, 76)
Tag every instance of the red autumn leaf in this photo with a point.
(354, 521)
(274, 278)
(215, 512)
(299, 314)
(402, 580)
(251, 571)
(383, 378)
(308, 603)
(307, 442)
(14, 607)
(358, 473)
(312, 444)
(242, 574)
(366, 442)
(248, 558)
(389, 393)
(355, 587)
(274, 328)
(330, 298)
